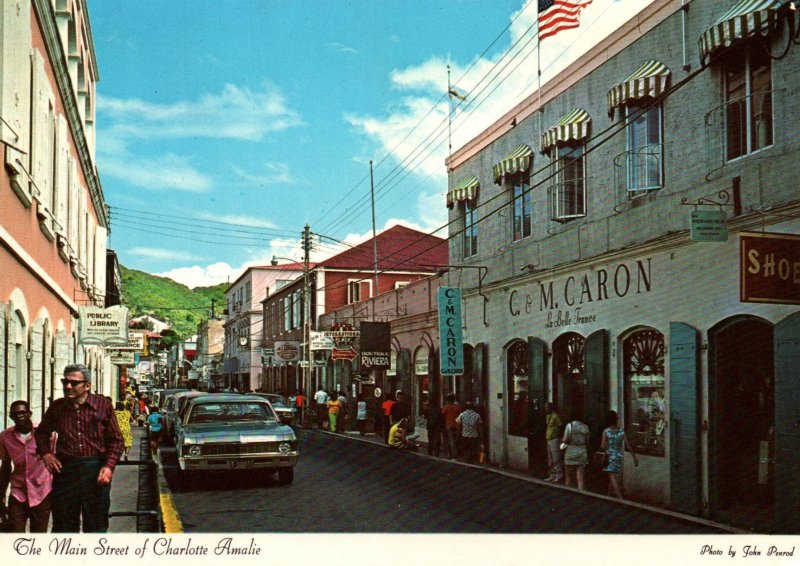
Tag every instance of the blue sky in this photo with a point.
(224, 127)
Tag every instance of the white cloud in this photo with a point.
(276, 173)
(160, 253)
(197, 276)
(165, 172)
(235, 113)
(342, 48)
(240, 219)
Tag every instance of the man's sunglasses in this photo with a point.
(19, 414)
(72, 382)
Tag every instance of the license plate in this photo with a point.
(241, 464)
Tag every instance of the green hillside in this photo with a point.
(167, 300)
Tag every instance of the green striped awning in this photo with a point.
(746, 17)
(648, 80)
(517, 161)
(573, 126)
(467, 189)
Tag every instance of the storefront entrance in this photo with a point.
(741, 422)
(569, 390)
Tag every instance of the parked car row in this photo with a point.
(218, 432)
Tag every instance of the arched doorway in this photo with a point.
(742, 420)
(569, 372)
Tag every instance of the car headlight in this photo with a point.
(195, 451)
(284, 447)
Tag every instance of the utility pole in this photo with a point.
(304, 387)
(213, 310)
(374, 236)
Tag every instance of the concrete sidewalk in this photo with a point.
(126, 488)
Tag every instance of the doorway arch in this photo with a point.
(741, 419)
(569, 373)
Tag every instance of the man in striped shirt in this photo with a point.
(88, 448)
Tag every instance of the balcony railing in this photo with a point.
(740, 127)
(638, 172)
(567, 199)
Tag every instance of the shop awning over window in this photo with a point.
(517, 161)
(467, 189)
(648, 80)
(573, 126)
(745, 18)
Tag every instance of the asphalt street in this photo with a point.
(342, 485)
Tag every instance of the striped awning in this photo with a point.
(648, 80)
(573, 126)
(746, 17)
(467, 189)
(517, 161)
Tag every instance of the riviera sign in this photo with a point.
(451, 351)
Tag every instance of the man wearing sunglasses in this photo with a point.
(30, 480)
(87, 450)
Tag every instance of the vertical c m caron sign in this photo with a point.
(451, 349)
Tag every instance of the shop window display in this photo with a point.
(645, 398)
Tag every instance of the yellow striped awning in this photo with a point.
(573, 126)
(517, 161)
(745, 18)
(467, 189)
(650, 79)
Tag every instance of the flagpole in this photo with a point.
(449, 118)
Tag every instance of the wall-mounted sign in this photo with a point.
(343, 354)
(121, 357)
(136, 341)
(709, 225)
(321, 342)
(103, 327)
(375, 345)
(769, 268)
(287, 351)
(451, 347)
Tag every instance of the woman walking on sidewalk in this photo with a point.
(614, 444)
(333, 411)
(361, 414)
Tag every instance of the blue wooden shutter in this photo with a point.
(684, 423)
(596, 380)
(787, 424)
(537, 397)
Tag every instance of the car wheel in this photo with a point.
(286, 475)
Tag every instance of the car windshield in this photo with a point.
(237, 411)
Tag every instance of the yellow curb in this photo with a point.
(170, 518)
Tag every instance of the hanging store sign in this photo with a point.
(375, 345)
(136, 341)
(709, 225)
(121, 357)
(769, 268)
(103, 326)
(451, 350)
(287, 351)
(321, 342)
(344, 337)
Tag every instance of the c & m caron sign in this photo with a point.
(769, 268)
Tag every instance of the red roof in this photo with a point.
(399, 249)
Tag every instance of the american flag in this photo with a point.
(557, 15)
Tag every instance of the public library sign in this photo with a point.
(566, 300)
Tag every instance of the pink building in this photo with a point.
(53, 222)
(243, 326)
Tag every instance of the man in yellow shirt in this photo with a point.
(398, 438)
